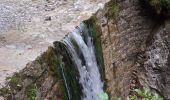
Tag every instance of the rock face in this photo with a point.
(135, 46)
(136, 53)
(39, 80)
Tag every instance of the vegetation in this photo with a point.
(31, 92)
(142, 94)
(4, 91)
(112, 9)
(103, 96)
(167, 27)
(159, 5)
(145, 94)
(52, 60)
(14, 82)
(14, 85)
(160, 2)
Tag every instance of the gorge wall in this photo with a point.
(135, 44)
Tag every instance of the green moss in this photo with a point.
(112, 9)
(64, 93)
(68, 68)
(53, 62)
(5, 91)
(31, 92)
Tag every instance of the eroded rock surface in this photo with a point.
(135, 47)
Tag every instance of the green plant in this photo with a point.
(159, 5)
(103, 96)
(145, 94)
(113, 9)
(31, 92)
(155, 2)
(4, 91)
(14, 82)
(168, 2)
(167, 27)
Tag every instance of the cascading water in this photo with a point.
(80, 47)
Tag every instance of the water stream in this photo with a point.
(80, 47)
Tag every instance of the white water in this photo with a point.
(89, 78)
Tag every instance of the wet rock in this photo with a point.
(133, 42)
(135, 51)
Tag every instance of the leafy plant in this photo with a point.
(14, 82)
(159, 5)
(167, 27)
(4, 91)
(167, 1)
(133, 98)
(31, 92)
(103, 96)
(145, 94)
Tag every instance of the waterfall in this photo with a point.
(80, 47)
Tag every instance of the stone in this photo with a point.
(135, 51)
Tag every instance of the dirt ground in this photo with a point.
(28, 27)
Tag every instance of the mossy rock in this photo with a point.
(52, 60)
(68, 68)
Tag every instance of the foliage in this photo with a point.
(4, 91)
(159, 2)
(52, 60)
(155, 2)
(145, 94)
(14, 82)
(31, 92)
(167, 27)
(159, 5)
(113, 9)
(103, 96)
